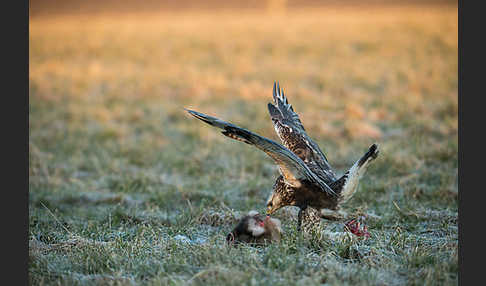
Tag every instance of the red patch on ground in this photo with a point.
(357, 228)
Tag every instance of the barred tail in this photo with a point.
(371, 154)
(347, 185)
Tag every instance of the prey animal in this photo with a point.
(255, 229)
(306, 177)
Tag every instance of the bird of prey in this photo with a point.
(306, 177)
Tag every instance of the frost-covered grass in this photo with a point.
(126, 188)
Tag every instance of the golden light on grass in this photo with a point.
(116, 158)
(348, 69)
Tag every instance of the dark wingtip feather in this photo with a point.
(199, 116)
(275, 92)
(277, 95)
(192, 112)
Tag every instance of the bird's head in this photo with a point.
(282, 195)
(274, 203)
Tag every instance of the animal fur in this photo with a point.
(255, 229)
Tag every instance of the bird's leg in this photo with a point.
(333, 214)
(299, 218)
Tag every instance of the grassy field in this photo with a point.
(126, 188)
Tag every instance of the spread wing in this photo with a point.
(291, 132)
(291, 166)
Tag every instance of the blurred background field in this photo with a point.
(118, 170)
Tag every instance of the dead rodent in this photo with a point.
(255, 229)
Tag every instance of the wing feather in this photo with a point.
(292, 168)
(291, 132)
